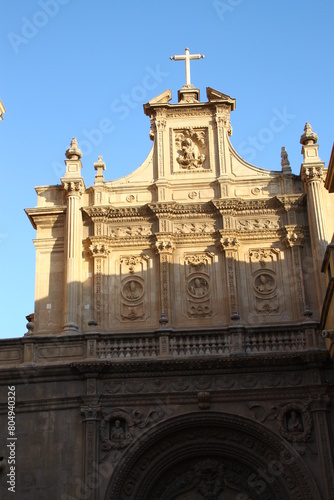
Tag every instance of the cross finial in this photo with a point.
(186, 57)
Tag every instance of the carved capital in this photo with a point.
(319, 402)
(160, 124)
(99, 250)
(74, 187)
(90, 409)
(311, 173)
(164, 246)
(228, 243)
(294, 236)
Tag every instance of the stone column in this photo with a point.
(294, 240)
(161, 183)
(229, 245)
(90, 410)
(100, 253)
(74, 186)
(319, 406)
(164, 247)
(224, 129)
(312, 176)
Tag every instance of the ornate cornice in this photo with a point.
(106, 213)
(174, 209)
(297, 359)
(233, 206)
(292, 202)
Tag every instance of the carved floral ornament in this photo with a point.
(133, 260)
(198, 260)
(263, 255)
(129, 231)
(194, 228)
(257, 224)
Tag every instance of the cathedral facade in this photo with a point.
(176, 349)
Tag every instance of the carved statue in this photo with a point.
(117, 432)
(294, 424)
(198, 287)
(132, 290)
(189, 144)
(266, 284)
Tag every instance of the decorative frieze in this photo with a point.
(194, 228)
(257, 224)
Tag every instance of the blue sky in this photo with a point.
(84, 68)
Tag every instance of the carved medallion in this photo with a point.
(198, 287)
(132, 290)
(264, 283)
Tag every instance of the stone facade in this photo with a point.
(327, 315)
(175, 350)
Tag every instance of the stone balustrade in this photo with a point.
(163, 343)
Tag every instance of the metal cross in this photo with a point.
(187, 58)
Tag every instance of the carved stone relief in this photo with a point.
(128, 231)
(190, 146)
(257, 224)
(198, 287)
(295, 422)
(265, 297)
(134, 288)
(194, 228)
(118, 428)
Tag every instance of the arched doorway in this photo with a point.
(211, 456)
